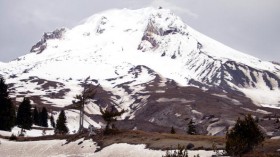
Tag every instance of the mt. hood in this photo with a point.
(141, 59)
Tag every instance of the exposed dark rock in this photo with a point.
(42, 44)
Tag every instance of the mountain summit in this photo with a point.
(140, 57)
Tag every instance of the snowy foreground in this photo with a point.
(80, 148)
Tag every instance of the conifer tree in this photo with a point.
(44, 117)
(24, 115)
(110, 115)
(35, 116)
(52, 121)
(7, 109)
(191, 128)
(243, 137)
(61, 127)
(172, 130)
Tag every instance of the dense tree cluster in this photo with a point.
(25, 116)
(40, 118)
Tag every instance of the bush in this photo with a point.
(13, 137)
(181, 152)
(243, 137)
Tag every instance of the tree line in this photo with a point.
(24, 117)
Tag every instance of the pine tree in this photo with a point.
(172, 130)
(191, 128)
(61, 127)
(44, 117)
(52, 121)
(7, 109)
(24, 115)
(110, 116)
(35, 116)
(243, 137)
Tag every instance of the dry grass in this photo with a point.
(163, 141)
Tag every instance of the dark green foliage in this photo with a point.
(44, 117)
(7, 109)
(180, 152)
(24, 115)
(110, 115)
(172, 130)
(191, 128)
(35, 116)
(243, 137)
(52, 121)
(61, 127)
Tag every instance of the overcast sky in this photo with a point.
(250, 26)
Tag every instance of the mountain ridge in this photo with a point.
(144, 60)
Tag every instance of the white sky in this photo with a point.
(250, 26)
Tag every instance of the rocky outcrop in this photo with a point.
(42, 44)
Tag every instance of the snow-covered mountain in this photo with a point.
(143, 58)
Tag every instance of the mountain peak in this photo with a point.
(115, 41)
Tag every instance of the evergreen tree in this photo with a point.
(52, 121)
(110, 116)
(7, 109)
(191, 128)
(243, 137)
(61, 127)
(24, 115)
(44, 117)
(35, 116)
(172, 130)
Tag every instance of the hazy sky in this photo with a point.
(250, 26)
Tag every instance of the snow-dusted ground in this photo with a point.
(81, 148)
(50, 148)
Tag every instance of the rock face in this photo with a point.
(42, 44)
(150, 63)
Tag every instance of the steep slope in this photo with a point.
(145, 60)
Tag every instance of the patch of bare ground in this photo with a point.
(163, 141)
(267, 149)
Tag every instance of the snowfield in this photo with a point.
(81, 148)
(111, 43)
